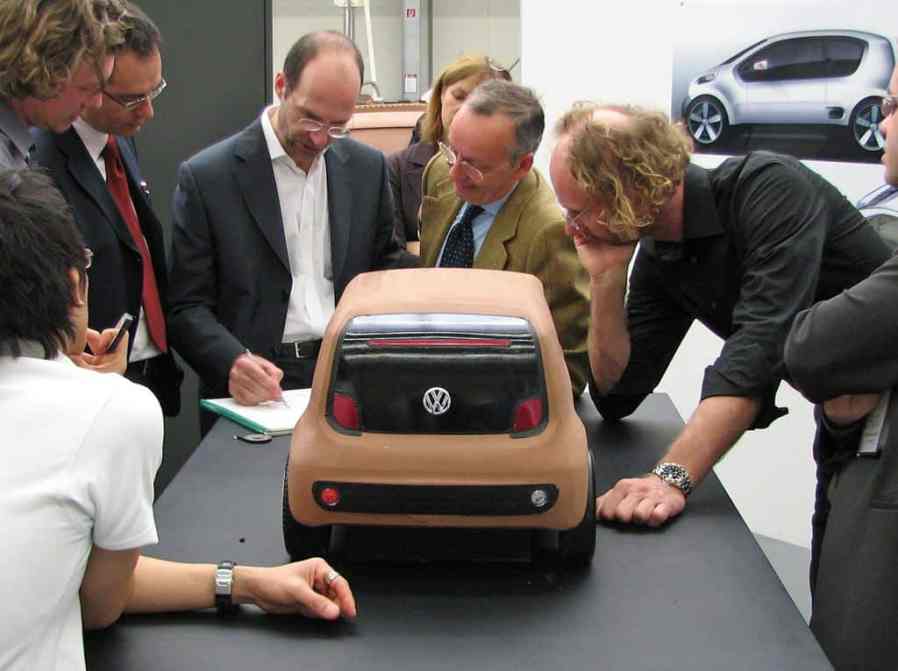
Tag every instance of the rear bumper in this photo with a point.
(384, 499)
(443, 481)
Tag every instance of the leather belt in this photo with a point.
(300, 349)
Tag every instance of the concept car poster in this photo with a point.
(801, 77)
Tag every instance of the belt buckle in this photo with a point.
(302, 349)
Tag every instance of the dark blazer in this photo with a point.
(230, 270)
(847, 345)
(406, 170)
(116, 276)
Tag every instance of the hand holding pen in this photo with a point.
(253, 380)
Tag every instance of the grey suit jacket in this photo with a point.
(849, 345)
(230, 276)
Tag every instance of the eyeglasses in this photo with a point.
(574, 222)
(499, 71)
(473, 173)
(88, 258)
(312, 126)
(131, 102)
(576, 225)
(888, 106)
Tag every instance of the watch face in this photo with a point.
(675, 475)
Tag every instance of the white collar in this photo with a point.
(276, 149)
(94, 141)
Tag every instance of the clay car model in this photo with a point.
(815, 77)
(441, 399)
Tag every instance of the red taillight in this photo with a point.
(528, 415)
(330, 496)
(346, 412)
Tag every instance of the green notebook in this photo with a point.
(271, 417)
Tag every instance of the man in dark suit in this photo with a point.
(95, 165)
(272, 223)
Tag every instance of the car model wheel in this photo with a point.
(706, 120)
(300, 540)
(865, 120)
(571, 547)
(578, 545)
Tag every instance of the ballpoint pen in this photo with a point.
(280, 399)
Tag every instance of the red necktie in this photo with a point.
(117, 182)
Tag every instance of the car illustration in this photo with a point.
(880, 207)
(831, 78)
(441, 399)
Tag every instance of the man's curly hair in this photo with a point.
(43, 41)
(631, 168)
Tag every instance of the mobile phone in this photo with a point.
(122, 326)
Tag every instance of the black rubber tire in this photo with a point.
(302, 541)
(868, 111)
(706, 120)
(577, 546)
(574, 547)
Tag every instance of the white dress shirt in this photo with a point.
(304, 213)
(95, 142)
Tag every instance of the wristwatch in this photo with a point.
(676, 475)
(224, 581)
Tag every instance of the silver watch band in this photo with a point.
(676, 475)
(224, 583)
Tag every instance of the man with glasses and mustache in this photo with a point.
(742, 248)
(841, 353)
(95, 165)
(485, 206)
(270, 226)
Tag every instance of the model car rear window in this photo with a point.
(435, 373)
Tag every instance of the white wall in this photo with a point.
(294, 18)
(624, 52)
(491, 27)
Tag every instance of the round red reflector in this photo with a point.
(329, 496)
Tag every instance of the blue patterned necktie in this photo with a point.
(459, 249)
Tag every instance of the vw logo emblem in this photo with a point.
(437, 400)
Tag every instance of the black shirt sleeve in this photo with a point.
(780, 230)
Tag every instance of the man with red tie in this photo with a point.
(95, 165)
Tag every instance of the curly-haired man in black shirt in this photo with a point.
(742, 248)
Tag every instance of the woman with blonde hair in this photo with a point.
(450, 90)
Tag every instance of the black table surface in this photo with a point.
(697, 594)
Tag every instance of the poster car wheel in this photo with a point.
(865, 120)
(707, 120)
